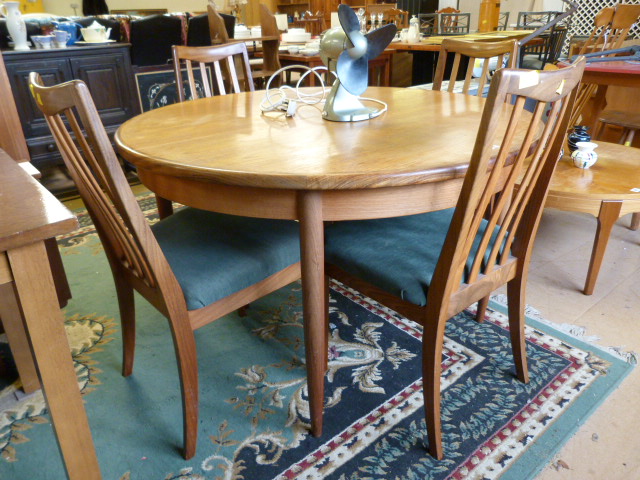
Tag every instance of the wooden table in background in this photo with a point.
(379, 67)
(424, 52)
(604, 74)
(30, 215)
(409, 160)
(606, 190)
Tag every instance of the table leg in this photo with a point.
(17, 336)
(599, 103)
(165, 207)
(313, 290)
(44, 324)
(609, 213)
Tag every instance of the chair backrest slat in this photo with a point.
(91, 162)
(472, 51)
(528, 148)
(210, 57)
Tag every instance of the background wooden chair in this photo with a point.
(314, 24)
(465, 55)
(220, 28)
(544, 49)
(199, 31)
(400, 18)
(534, 20)
(208, 61)
(431, 266)
(503, 21)
(194, 266)
(454, 23)
(428, 23)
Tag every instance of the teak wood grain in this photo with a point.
(474, 261)
(606, 191)
(222, 154)
(30, 216)
(424, 138)
(136, 259)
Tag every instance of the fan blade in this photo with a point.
(353, 73)
(379, 39)
(348, 21)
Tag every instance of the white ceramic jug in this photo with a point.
(15, 25)
(584, 156)
(413, 35)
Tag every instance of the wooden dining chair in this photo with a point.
(400, 18)
(207, 61)
(454, 23)
(194, 266)
(466, 51)
(429, 267)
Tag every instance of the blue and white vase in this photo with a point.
(584, 156)
(579, 134)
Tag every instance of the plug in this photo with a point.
(291, 108)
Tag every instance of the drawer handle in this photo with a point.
(51, 147)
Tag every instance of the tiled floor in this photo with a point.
(608, 444)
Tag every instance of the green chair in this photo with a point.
(432, 266)
(194, 266)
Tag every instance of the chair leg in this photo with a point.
(635, 221)
(432, 341)
(629, 137)
(516, 300)
(185, 348)
(126, 305)
(483, 303)
(326, 322)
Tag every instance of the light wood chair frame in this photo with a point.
(472, 50)
(515, 213)
(211, 57)
(400, 18)
(135, 257)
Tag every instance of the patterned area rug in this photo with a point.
(253, 397)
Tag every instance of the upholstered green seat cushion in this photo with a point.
(214, 255)
(398, 254)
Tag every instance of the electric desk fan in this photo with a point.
(346, 51)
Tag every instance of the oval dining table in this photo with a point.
(223, 154)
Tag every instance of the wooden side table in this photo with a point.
(607, 190)
(29, 308)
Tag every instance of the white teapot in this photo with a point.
(95, 33)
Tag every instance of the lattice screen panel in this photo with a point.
(582, 20)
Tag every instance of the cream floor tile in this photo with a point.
(607, 445)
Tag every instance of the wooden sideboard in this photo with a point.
(106, 69)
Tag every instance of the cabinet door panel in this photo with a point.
(53, 71)
(110, 86)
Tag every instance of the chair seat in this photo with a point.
(532, 62)
(214, 255)
(398, 255)
(621, 119)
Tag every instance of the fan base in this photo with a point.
(342, 106)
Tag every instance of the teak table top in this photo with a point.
(424, 136)
(29, 212)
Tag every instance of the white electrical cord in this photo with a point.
(288, 104)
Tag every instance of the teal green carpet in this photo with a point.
(253, 408)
